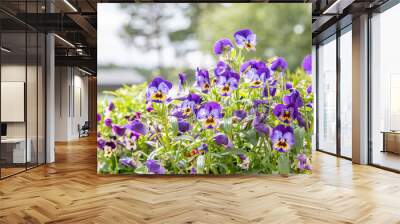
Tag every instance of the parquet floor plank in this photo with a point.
(70, 191)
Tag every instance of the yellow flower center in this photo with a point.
(282, 144)
(187, 111)
(210, 121)
(226, 88)
(257, 83)
(286, 116)
(248, 45)
(158, 96)
(206, 86)
(107, 153)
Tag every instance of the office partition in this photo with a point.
(22, 78)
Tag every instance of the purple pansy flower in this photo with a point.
(193, 171)
(239, 115)
(126, 161)
(302, 164)
(182, 81)
(203, 148)
(310, 105)
(111, 106)
(309, 89)
(302, 158)
(227, 82)
(256, 72)
(272, 88)
(183, 126)
(222, 139)
(109, 148)
(307, 64)
(134, 116)
(203, 80)
(221, 68)
(209, 114)
(279, 64)
(118, 130)
(188, 107)
(301, 121)
(136, 127)
(285, 113)
(185, 110)
(154, 167)
(282, 138)
(222, 46)
(242, 157)
(293, 99)
(289, 85)
(101, 143)
(98, 117)
(108, 122)
(258, 124)
(157, 90)
(245, 39)
(110, 144)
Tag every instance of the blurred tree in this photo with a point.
(153, 26)
(282, 29)
(147, 27)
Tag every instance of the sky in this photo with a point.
(111, 49)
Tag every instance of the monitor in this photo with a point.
(3, 129)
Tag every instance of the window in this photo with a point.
(385, 89)
(346, 93)
(327, 96)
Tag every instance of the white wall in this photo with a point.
(71, 102)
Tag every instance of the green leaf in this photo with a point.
(251, 136)
(299, 138)
(185, 138)
(141, 170)
(283, 164)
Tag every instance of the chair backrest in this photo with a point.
(86, 125)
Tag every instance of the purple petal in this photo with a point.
(126, 161)
(183, 126)
(108, 122)
(118, 130)
(222, 45)
(307, 64)
(154, 167)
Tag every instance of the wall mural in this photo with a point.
(245, 114)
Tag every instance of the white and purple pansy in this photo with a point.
(157, 90)
(279, 64)
(285, 113)
(245, 39)
(209, 114)
(223, 45)
(203, 80)
(227, 82)
(221, 68)
(188, 107)
(282, 138)
(255, 72)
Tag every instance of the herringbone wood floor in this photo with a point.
(70, 191)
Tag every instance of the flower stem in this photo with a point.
(164, 110)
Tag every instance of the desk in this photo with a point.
(391, 141)
(18, 149)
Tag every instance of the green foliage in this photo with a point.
(274, 24)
